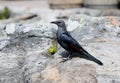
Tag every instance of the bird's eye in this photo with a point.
(58, 22)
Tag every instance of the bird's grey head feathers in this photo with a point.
(59, 23)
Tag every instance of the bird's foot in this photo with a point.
(65, 59)
(65, 54)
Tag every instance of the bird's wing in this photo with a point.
(66, 38)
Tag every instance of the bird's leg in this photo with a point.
(67, 58)
(64, 54)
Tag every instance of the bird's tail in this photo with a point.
(90, 57)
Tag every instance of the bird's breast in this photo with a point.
(63, 44)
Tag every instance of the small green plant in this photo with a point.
(53, 49)
(5, 13)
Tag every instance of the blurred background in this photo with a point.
(47, 10)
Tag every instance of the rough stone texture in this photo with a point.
(22, 59)
(4, 40)
(100, 36)
(73, 71)
(25, 58)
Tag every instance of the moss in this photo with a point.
(53, 49)
(5, 13)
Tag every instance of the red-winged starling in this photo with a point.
(70, 44)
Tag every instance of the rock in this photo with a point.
(3, 34)
(66, 13)
(10, 28)
(100, 37)
(94, 27)
(34, 64)
(25, 58)
(40, 29)
(72, 24)
(101, 4)
(4, 43)
(4, 39)
(72, 71)
(10, 68)
(111, 12)
(25, 55)
(36, 29)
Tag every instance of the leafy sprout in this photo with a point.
(5, 13)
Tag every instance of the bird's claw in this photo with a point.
(65, 59)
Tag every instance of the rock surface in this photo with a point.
(100, 36)
(24, 14)
(24, 56)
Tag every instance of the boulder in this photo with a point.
(25, 58)
(100, 36)
(24, 51)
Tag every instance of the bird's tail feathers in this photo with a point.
(90, 57)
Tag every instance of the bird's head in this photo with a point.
(59, 23)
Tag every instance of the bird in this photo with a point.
(70, 44)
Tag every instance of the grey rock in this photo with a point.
(26, 49)
(32, 70)
(72, 71)
(4, 43)
(111, 12)
(4, 39)
(25, 58)
(10, 68)
(40, 29)
(100, 36)
(93, 27)
(10, 28)
(37, 29)
(3, 34)
(66, 13)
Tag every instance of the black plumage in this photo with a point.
(70, 44)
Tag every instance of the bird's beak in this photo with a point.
(54, 22)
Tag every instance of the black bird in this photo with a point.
(70, 44)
